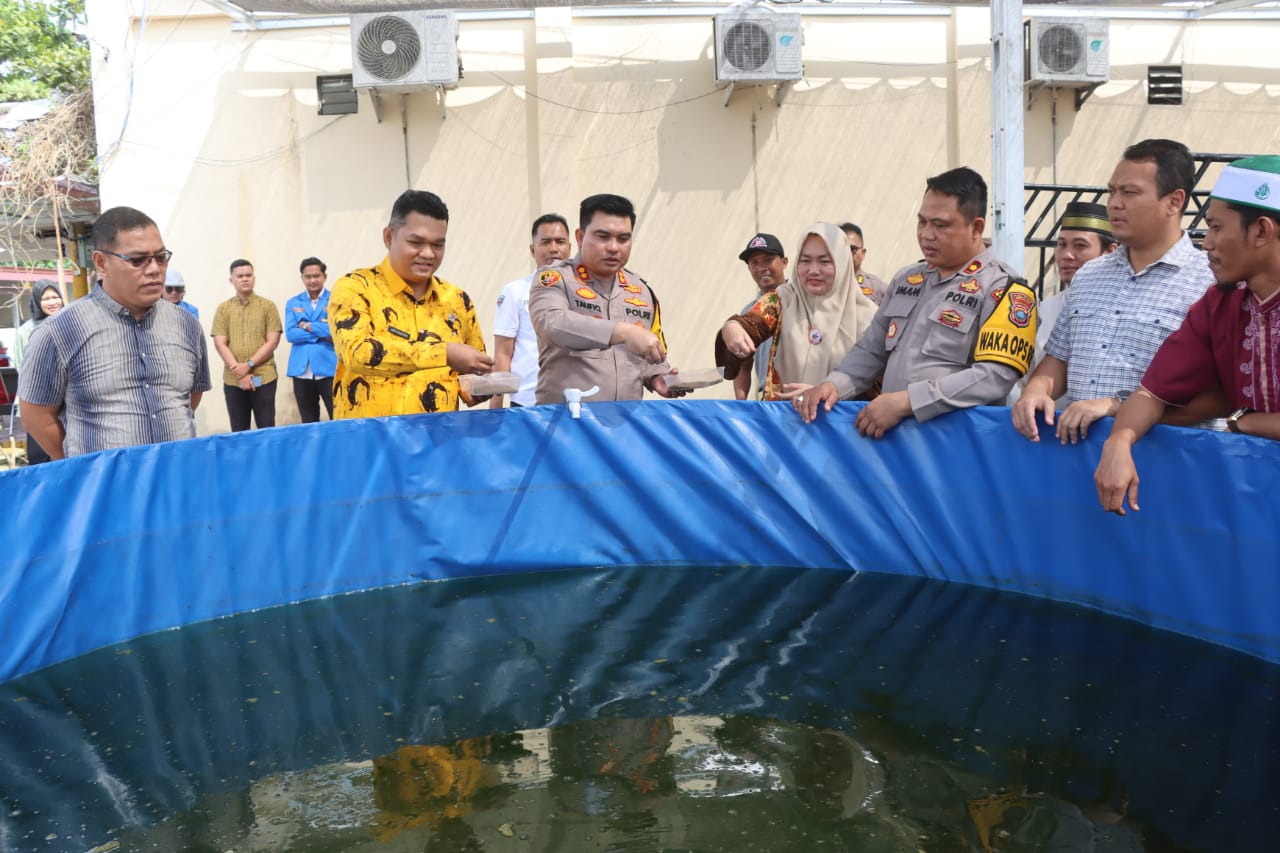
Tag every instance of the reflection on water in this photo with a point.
(648, 709)
(667, 783)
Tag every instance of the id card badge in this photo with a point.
(257, 382)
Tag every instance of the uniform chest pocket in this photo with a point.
(949, 334)
(896, 311)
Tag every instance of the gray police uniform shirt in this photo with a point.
(574, 314)
(923, 337)
(873, 287)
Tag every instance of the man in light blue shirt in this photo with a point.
(175, 291)
(312, 361)
(1121, 306)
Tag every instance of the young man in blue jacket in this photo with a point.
(312, 361)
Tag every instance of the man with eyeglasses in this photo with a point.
(873, 287)
(175, 291)
(246, 332)
(116, 369)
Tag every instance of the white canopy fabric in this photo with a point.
(345, 7)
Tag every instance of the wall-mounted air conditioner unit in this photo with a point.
(757, 46)
(1067, 52)
(404, 50)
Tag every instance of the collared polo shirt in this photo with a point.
(1115, 318)
(245, 326)
(119, 381)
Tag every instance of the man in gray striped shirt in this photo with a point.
(122, 366)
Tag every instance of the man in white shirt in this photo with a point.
(515, 343)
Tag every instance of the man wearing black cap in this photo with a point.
(1084, 233)
(767, 263)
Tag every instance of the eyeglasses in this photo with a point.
(140, 261)
(174, 289)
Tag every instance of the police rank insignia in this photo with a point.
(586, 293)
(973, 268)
(1020, 307)
(866, 291)
(639, 303)
(622, 277)
(950, 319)
(915, 278)
(583, 276)
(550, 278)
(970, 286)
(815, 336)
(631, 288)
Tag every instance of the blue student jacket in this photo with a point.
(314, 347)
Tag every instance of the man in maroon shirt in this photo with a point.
(1226, 355)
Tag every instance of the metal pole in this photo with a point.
(1007, 113)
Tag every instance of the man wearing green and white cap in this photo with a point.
(1225, 353)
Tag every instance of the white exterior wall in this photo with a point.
(223, 146)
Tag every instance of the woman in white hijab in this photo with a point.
(813, 319)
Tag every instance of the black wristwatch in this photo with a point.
(1233, 421)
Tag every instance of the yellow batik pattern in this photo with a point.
(392, 348)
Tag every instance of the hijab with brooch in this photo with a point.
(817, 331)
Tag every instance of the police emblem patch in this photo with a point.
(550, 278)
(915, 278)
(1020, 307)
(586, 293)
(951, 319)
(997, 293)
(970, 286)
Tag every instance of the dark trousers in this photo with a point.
(310, 393)
(260, 402)
(35, 453)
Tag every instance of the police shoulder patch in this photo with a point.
(549, 278)
(1009, 335)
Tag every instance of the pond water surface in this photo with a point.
(651, 708)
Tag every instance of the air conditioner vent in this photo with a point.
(388, 47)
(758, 46)
(404, 50)
(1067, 52)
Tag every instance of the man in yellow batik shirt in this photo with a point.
(403, 335)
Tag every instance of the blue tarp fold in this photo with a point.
(107, 547)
